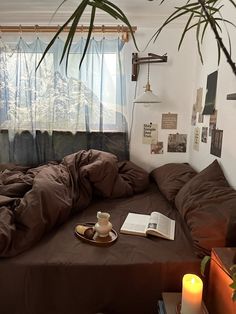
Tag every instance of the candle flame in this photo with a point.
(193, 281)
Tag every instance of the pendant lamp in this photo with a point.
(147, 97)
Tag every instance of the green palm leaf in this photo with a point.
(204, 262)
(198, 40)
(56, 36)
(89, 34)
(57, 10)
(105, 5)
(70, 36)
(175, 15)
(125, 20)
(185, 30)
(204, 31)
(233, 3)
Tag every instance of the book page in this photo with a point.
(135, 224)
(161, 225)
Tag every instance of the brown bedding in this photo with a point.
(34, 201)
(63, 275)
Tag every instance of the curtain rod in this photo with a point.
(124, 30)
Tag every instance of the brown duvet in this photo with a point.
(33, 201)
(63, 275)
(60, 274)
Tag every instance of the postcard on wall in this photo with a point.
(199, 100)
(157, 148)
(216, 142)
(212, 122)
(169, 121)
(177, 143)
(200, 117)
(194, 115)
(196, 140)
(210, 93)
(150, 134)
(204, 134)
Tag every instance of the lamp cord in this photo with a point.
(148, 73)
(148, 87)
(132, 114)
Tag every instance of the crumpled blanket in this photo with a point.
(35, 200)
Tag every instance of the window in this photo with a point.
(86, 99)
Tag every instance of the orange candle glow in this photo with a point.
(191, 294)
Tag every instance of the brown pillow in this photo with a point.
(208, 205)
(170, 178)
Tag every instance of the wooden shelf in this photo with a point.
(219, 293)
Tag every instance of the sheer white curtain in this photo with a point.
(90, 99)
(49, 98)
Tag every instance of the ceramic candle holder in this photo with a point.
(103, 225)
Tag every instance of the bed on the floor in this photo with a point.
(60, 274)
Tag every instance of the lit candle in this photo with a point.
(191, 294)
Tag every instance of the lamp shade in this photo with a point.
(148, 97)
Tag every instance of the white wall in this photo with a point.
(174, 82)
(226, 119)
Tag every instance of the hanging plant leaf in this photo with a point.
(57, 10)
(198, 40)
(185, 30)
(234, 296)
(56, 36)
(175, 15)
(204, 31)
(203, 10)
(233, 285)
(233, 3)
(125, 20)
(89, 34)
(204, 263)
(70, 36)
(219, 53)
(116, 13)
(106, 6)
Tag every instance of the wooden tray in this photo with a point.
(96, 240)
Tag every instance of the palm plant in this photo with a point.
(201, 14)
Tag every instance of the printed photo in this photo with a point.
(200, 117)
(177, 143)
(157, 148)
(169, 121)
(150, 134)
(194, 115)
(204, 134)
(199, 100)
(196, 139)
(216, 142)
(212, 123)
(210, 93)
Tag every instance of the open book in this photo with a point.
(155, 224)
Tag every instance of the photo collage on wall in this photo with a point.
(209, 110)
(177, 143)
